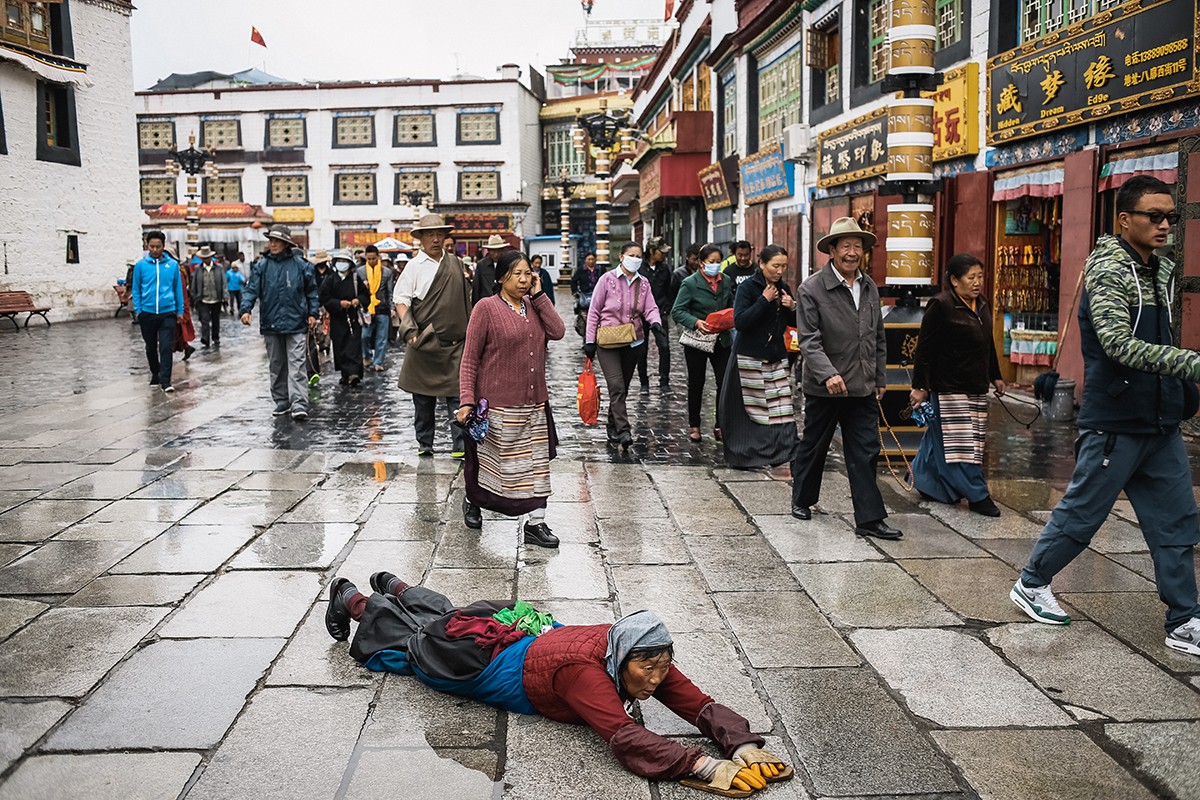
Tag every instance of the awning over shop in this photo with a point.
(56, 69)
(1164, 166)
(1045, 180)
(225, 213)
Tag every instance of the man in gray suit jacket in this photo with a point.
(840, 325)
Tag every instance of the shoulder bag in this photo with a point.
(706, 342)
(610, 337)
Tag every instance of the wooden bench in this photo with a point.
(13, 303)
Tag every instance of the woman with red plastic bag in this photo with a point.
(705, 292)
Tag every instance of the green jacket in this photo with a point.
(1113, 296)
(696, 300)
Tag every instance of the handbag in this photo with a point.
(587, 395)
(610, 337)
(705, 342)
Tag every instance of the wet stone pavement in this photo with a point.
(163, 564)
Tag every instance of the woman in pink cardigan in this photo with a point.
(504, 362)
(622, 296)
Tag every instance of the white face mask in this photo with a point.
(631, 264)
(711, 270)
(342, 267)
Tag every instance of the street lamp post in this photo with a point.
(605, 129)
(566, 188)
(416, 199)
(192, 162)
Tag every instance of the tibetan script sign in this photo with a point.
(293, 214)
(956, 113)
(1118, 61)
(714, 187)
(479, 224)
(853, 150)
(766, 176)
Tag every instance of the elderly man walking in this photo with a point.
(842, 343)
(433, 302)
(375, 300)
(284, 283)
(208, 295)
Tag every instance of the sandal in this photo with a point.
(694, 435)
(704, 786)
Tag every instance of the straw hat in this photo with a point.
(321, 257)
(432, 222)
(845, 226)
(495, 242)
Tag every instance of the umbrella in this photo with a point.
(392, 245)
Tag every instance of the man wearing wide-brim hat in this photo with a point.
(207, 288)
(844, 374)
(484, 283)
(282, 282)
(433, 303)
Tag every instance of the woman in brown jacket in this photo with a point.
(955, 361)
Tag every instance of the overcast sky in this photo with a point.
(360, 39)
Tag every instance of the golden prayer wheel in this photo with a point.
(913, 12)
(913, 49)
(910, 115)
(910, 220)
(909, 258)
(909, 161)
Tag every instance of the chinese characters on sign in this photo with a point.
(1121, 60)
(476, 224)
(955, 113)
(853, 150)
(766, 176)
(714, 187)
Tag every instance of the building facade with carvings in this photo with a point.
(68, 169)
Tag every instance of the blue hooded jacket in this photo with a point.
(286, 288)
(157, 286)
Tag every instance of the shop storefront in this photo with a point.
(718, 183)
(767, 176)
(228, 228)
(472, 230)
(669, 192)
(1071, 120)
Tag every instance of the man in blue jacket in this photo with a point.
(284, 283)
(157, 295)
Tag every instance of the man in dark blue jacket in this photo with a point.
(284, 283)
(157, 296)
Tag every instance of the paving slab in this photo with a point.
(730, 475)
(868, 594)
(727, 522)
(15, 612)
(465, 586)
(313, 658)
(135, 590)
(639, 541)
(417, 489)
(1082, 665)
(1047, 764)
(1165, 751)
(40, 519)
(407, 559)
(806, 640)
(825, 537)
(129, 776)
(443, 774)
(1024, 494)
(279, 481)
(577, 612)
(786, 790)
(130, 531)
(258, 459)
(1143, 565)
(495, 546)
(245, 507)
(333, 505)
(762, 497)
(103, 485)
(11, 552)
(296, 545)
(66, 651)
(128, 510)
(246, 604)
(710, 661)
(319, 727)
(1135, 618)
(61, 567)
(570, 571)
(1010, 524)
(1116, 535)
(22, 724)
(158, 458)
(1089, 572)
(140, 705)
(675, 593)
(926, 537)
(984, 597)
(572, 522)
(739, 563)
(874, 751)
(188, 549)
(205, 458)
(408, 521)
(566, 762)
(200, 484)
(11, 499)
(42, 477)
(954, 680)
(410, 714)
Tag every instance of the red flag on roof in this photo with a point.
(256, 37)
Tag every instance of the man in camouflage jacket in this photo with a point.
(1138, 386)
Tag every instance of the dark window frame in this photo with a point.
(1004, 26)
(499, 189)
(960, 50)
(241, 189)
(396, 134)
(271, 201)
(333, 133)
(174, 188)
(752, 103)
(68, 125)
(458, 117)
(62, 41)
(337, 199)
(3, 133)
(817, 77)
(238, 121)
(303, 130)
(861, 91)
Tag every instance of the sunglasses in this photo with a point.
(1156, 217)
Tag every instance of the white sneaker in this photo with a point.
(1186, 638)
(1039, 603)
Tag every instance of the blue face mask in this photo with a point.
(631, 264)
(711, 270)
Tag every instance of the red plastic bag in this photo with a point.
(720, 321)
(587, 395)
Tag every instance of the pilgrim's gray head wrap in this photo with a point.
(631, 632)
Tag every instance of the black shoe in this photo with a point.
(355, 380)
(281, 408)
(645, 388)
(801, 512)
(204, 342)
(337, 615)
(154, 382)
(665, 389)
(540, 535)
(879, 529)
(380, 582)
(625, 440)
(987, 507)
(472, 516)
(187, 352)
(425, 451)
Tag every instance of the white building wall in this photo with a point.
(41, 201)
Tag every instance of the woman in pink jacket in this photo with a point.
(622, 297)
